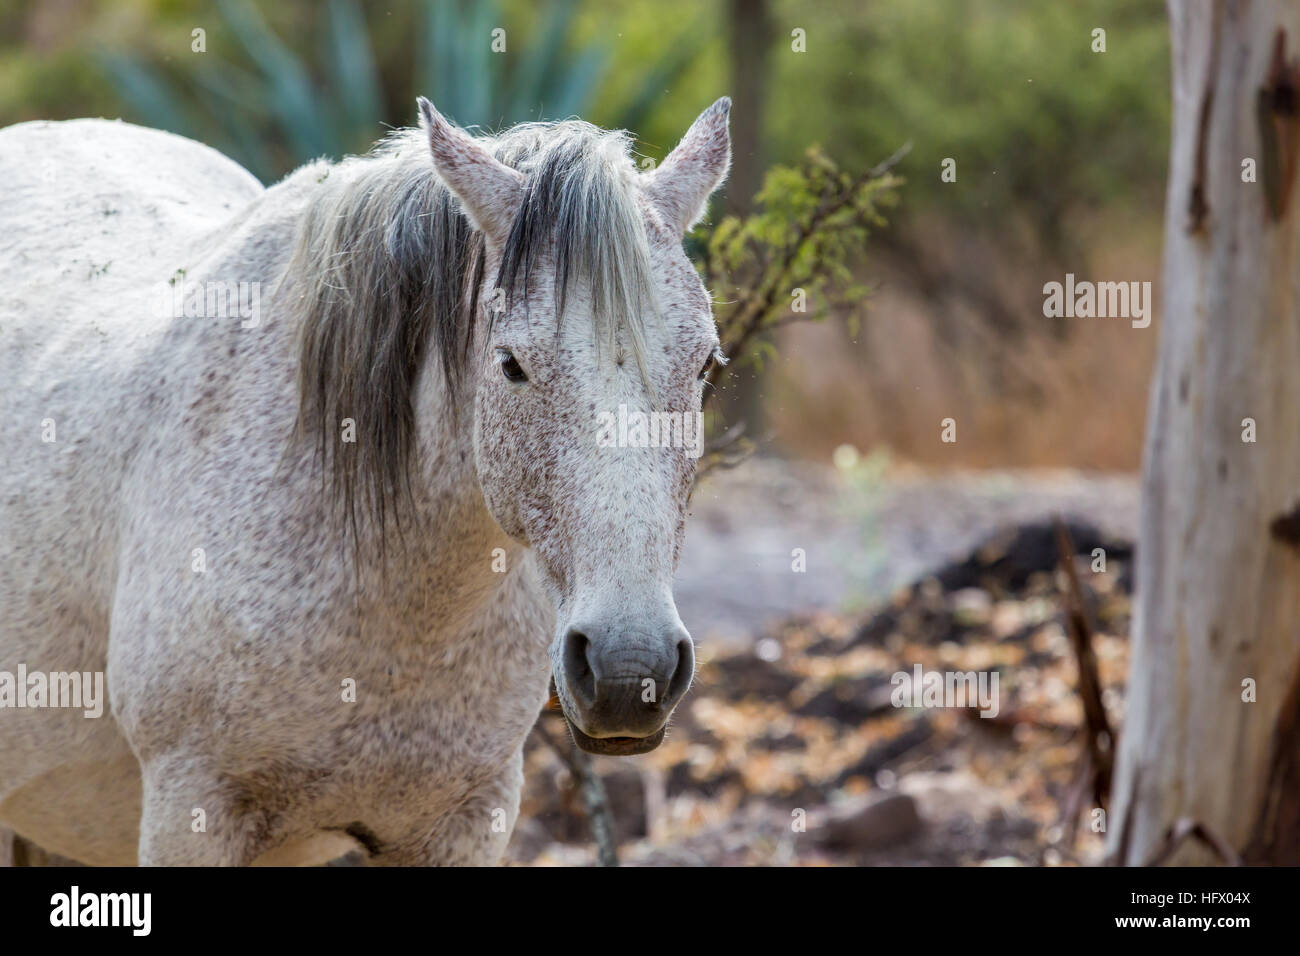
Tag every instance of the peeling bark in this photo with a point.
(1218, 564)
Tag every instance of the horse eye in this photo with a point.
(510, 366)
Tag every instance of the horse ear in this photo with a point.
(488, 189)
(681, 186)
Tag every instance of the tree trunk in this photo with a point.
(740, 395)
(751, 43)
(1218, 570)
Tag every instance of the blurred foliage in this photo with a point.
(1009, 88)
(794, 258)
(1038, 123)
(272, 106)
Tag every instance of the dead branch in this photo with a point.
(1100, 737)
(590, 786)
(727, 450)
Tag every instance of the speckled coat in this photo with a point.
(172, 535)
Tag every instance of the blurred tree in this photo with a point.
(751, 40)
(1051, 143)
(1037, 122)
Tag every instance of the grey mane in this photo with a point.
(387, 267)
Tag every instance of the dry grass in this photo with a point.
(1039, 398)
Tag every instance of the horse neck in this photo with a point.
(444, 565)
(436, 568)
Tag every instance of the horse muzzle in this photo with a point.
(617, 691)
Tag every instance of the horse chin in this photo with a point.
(606, 746)
(615, 746)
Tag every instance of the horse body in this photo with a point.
(174, 535)
(84, 368)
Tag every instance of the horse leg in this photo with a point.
(474, 834)
(191, 817)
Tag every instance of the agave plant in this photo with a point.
(273, 107)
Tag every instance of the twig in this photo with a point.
(748, 318)
(728, 450)
(1100, 755)
(878, 170)
(592, 789)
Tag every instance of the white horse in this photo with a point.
(311, 474)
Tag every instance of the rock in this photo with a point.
(868, 823)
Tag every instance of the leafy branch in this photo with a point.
(791, 260)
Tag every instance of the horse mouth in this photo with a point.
(605, 746)
(615, 746)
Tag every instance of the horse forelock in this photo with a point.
(387, 270)
(580, 206)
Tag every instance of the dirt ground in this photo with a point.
(866, 530)
(789, 750)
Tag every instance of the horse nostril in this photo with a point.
(683, 671)
(578, 676)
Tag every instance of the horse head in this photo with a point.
(587, 382)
